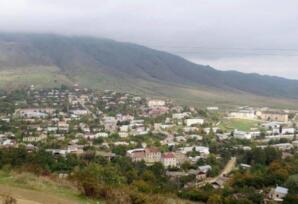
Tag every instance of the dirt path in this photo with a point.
(227, 169)
(26, 196)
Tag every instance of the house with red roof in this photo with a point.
(169, 159)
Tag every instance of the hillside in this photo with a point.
(27, 188)
(50, 60)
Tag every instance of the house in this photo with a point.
(190, 129)
(168, 159)
(287, 131)
(124, 128)
(152, 155)
(272, 125)
(219, 183)
(194, 121)
(201, 176)
(136, 154)
(79, 112)
(63, 126)
(205, 168)
(8, 142)
(123, 134)
(156, 103)
(102, 134)
(207, 130)
(180, 116)
(180, 139)
(201, 149)
(278, 193)
(295, 143)
(180, 157)
(194, 159)
(149, 155)
(35, 138)
(283, 146)
(223, 136)
(121, 143)
(242, 135)
(212, 108)
(35, 112)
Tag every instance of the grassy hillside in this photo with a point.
(51, 60)
(29, 189)
(45, 77)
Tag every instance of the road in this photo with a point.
(227, 169)
(86, 108)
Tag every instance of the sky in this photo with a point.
(259, 36)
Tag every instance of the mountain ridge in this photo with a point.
(106, 59)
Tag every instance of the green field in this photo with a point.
(239, 124)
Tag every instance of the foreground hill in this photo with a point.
(27, 188)
(100, 63)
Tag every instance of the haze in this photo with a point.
(245, 35)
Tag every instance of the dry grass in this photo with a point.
(28, 188)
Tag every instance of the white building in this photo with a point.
(278, 193)
(156, 103)
(168, 159)
(79, 112)
(242, 135)
(102, 134)
(194, 121)
(201, 149)
(180, 116)
(243, 114)
(212, 108)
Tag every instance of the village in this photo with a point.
(196, 146)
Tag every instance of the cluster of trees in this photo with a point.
(268, 170)
(259, 156)
(227, 195)
(117, 181)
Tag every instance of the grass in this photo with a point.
(44, 77)
(36, 186)
(239, 124)
(189, 95)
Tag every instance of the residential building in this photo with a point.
(278, 193)
(194, 121)
(168, 159)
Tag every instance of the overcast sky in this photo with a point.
(246, 35)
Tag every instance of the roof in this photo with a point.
(135, 150)
(205, 168)
(152, 150)
(282, 190)
(168, 155)
(274, 112)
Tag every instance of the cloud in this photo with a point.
(213, 31)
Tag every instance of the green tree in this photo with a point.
(214, 199)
